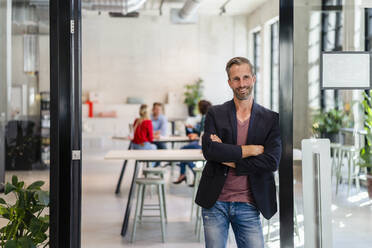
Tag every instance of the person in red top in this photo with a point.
(143, 134)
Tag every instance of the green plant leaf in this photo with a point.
(9, 188)
(37, 208)
(14, 180)
(43, 197)
(45, 219)
(35, 225)
(26, 242)
(10, 244)
(40, 237)
(2, 201)
(36, 185)
(20, 185)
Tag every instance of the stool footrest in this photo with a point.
(158, 208)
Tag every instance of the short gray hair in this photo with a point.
(238, 61)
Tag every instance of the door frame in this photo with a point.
(286, 204)
(65, 110)
(65, 78)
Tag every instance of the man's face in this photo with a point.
(241, 81)
(156, 110)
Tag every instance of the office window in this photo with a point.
(256, 62)
(274, 66)
(332, 28)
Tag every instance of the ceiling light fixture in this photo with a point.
(223, 7)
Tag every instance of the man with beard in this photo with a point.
(242, 146)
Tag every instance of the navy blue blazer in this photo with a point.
(263, 130)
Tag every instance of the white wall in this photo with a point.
(261, 19)
(149, 56)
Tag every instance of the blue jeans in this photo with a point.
(192, 145)
(146, 146)
(244, 219)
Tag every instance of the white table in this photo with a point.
(166, 139)
(172, 139)
(187, 155)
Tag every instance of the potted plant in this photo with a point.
(27, 224)
(366, 152)
(193, 95)
(327, 124)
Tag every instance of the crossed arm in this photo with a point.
(246, 159)
(247, 150)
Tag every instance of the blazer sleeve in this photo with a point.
(214, 151)
(269, 160)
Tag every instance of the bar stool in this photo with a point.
(198, 221)
(295, 222)
(198, 172)
(142, 183)
(352, 155)
(160, 172)
(335, 153)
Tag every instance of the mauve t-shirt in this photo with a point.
(236, 188)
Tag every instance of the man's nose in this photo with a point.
(242, 82)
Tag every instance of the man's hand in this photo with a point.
(230, 164)
(215, 138)
(193, 136)
(156, 135)
(252, 150)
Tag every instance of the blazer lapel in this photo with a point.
(252, 124)
(232, 117)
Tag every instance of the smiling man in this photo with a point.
(242, 146)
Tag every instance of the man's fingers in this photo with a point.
(215, 138)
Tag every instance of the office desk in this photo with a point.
(188, 155)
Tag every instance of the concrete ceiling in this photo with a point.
(211, 7)
(234, 7)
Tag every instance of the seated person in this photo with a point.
(203, 106)
(143, 133)
(159, 124)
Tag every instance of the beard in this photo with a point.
(243, 95)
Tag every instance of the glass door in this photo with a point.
(24, 123)
(340, 115)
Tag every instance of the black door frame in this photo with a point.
(286, 123)
(65, 87)
(65, 77)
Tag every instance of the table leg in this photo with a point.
(129, 202)
(173, 127)
(117, 191)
